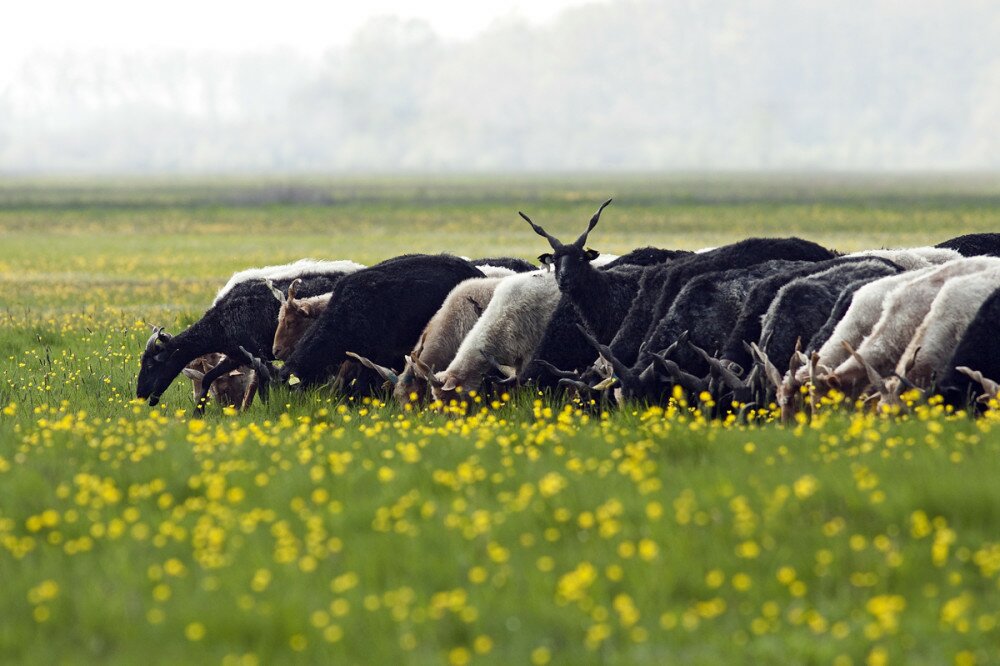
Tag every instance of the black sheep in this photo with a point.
(598, 298)
(660, 286)
(245, 316)
(761, 297)
(972, 245)
(802, 307)
(378, 313)
(705, 310)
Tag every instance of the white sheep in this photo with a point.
(926, 356)
(903, 310)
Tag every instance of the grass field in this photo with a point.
(522, 531)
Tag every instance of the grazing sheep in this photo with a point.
(903, 309)
(507, 333)
(443, 335)
(378, 313)
(660, 286)
(955, 306)
(802, 306)
(295, 317)
(245, 315)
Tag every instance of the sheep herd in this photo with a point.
(761, 321)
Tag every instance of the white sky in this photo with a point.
(234, 25)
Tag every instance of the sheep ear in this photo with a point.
(278, 294)
(591, 254)
(546, 259)
(191, 373)
(449, 384)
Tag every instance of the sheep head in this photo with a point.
(157, 367)
(568, 258)
(295, 317)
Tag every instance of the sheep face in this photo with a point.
(157, 367)
(568, 259)
(294, 319)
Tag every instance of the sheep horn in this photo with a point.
(593, 223)
(581, 387)
(508, 372)
(385, 373)
(423, 370)
(770, 370)
(263, 373)
(553, 241)
(991, 387)
(685, 380)
(293, 288)
(158, 337)
(874, 378)
(681, 339)
(626, 377)
(727, 375)
(561, 374)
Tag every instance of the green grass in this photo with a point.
(309, 531)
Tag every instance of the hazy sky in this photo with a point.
(236, 25)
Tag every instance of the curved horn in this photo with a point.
(159, 336)
(685, 380)
(593, 223)
(770, 370)
(988, 385)
(553, 241)
(294, 287)
(508, 372)
(385, 373)
(562, 374)
(731, 379)
(874, 378)
(626, 377)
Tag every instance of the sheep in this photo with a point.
(972, 245)
(903, 309)
(563, 346)
(443, 335)
(598, 298)
(955, 306)
(378, 313)
(659, 286)
(977, 352)
(748, 326)
(507, 333)
(802, 306)
(295, 317)
(245, 316)
(232, 389)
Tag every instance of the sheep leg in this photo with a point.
(225, 366)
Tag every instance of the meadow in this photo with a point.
(522, 529)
